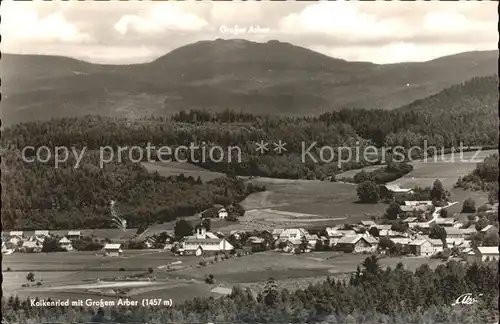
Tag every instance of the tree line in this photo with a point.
(372, 294)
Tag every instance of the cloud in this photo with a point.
(160, 18)
(23, 24)
(133, 31)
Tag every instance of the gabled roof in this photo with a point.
(488, 228)
(453, 231)
(409, 219)
(44, 232)
(418, 242)
(436, 242)
(277, 231)
(488, 249)
(64, 240)
(368, 223)
(16, 233)
(355, 239)
(111, 246)
(383, 226)
(74, 233)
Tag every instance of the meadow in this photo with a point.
(74, 275)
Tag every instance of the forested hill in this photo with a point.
(36, 194)
(273, 77)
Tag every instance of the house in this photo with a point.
(204, 242)
(469, 231)
(293, 233)
(74, 235)
(333, 235)
(66, 244)
(254, 240)
(222, 213)
(31, 246)
(382, 227)
(355, 244)
(401, 241)
(44, 233)
(113, 250)
(237, 234)
(437, 245)
(483, 253)
(368, 224)
(418, 203)
(453, 232)
(394, 192)
(17, 233)
(445, 222)
(410, 220)
(277, 232)
(15, 240)
(347, 232)
(421, 248)
(489, 229)
(409, 211)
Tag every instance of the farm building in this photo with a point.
(421, 248)
(32, 246)
(113, 250)
(293, 234)
(437, 245)
(16, 233)
(356, 244)
(454, 233)
(66, 244)
(277, 232)
(483, 253)
(15, 240)
(74, 235)
(204, 242)
(393, 192)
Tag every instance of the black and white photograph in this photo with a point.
(249, 162)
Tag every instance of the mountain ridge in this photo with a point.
(273, 77)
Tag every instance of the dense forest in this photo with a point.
(40, 196)
(45, 196)
(484, 177)
(372, 295)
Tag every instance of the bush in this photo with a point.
(121, 269)
(150, 270)
(9, 269)
(210, 279)
(202, 263)
(39, 283)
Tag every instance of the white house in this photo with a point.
(203, 242)
(43, 233)
(418, 203)
(66, 244)
(484, 253)
(113, 250)
(368, 224)
(437, 245)
(293, 234)
(74, 235)
(421, 248)
(356, 244)
(223, 213)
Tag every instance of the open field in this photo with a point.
(447, 168)
(303, 203)
(77, 278)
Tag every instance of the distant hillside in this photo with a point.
(273, 77)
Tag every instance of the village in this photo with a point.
(419, 231)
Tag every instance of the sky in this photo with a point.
(136, 32)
